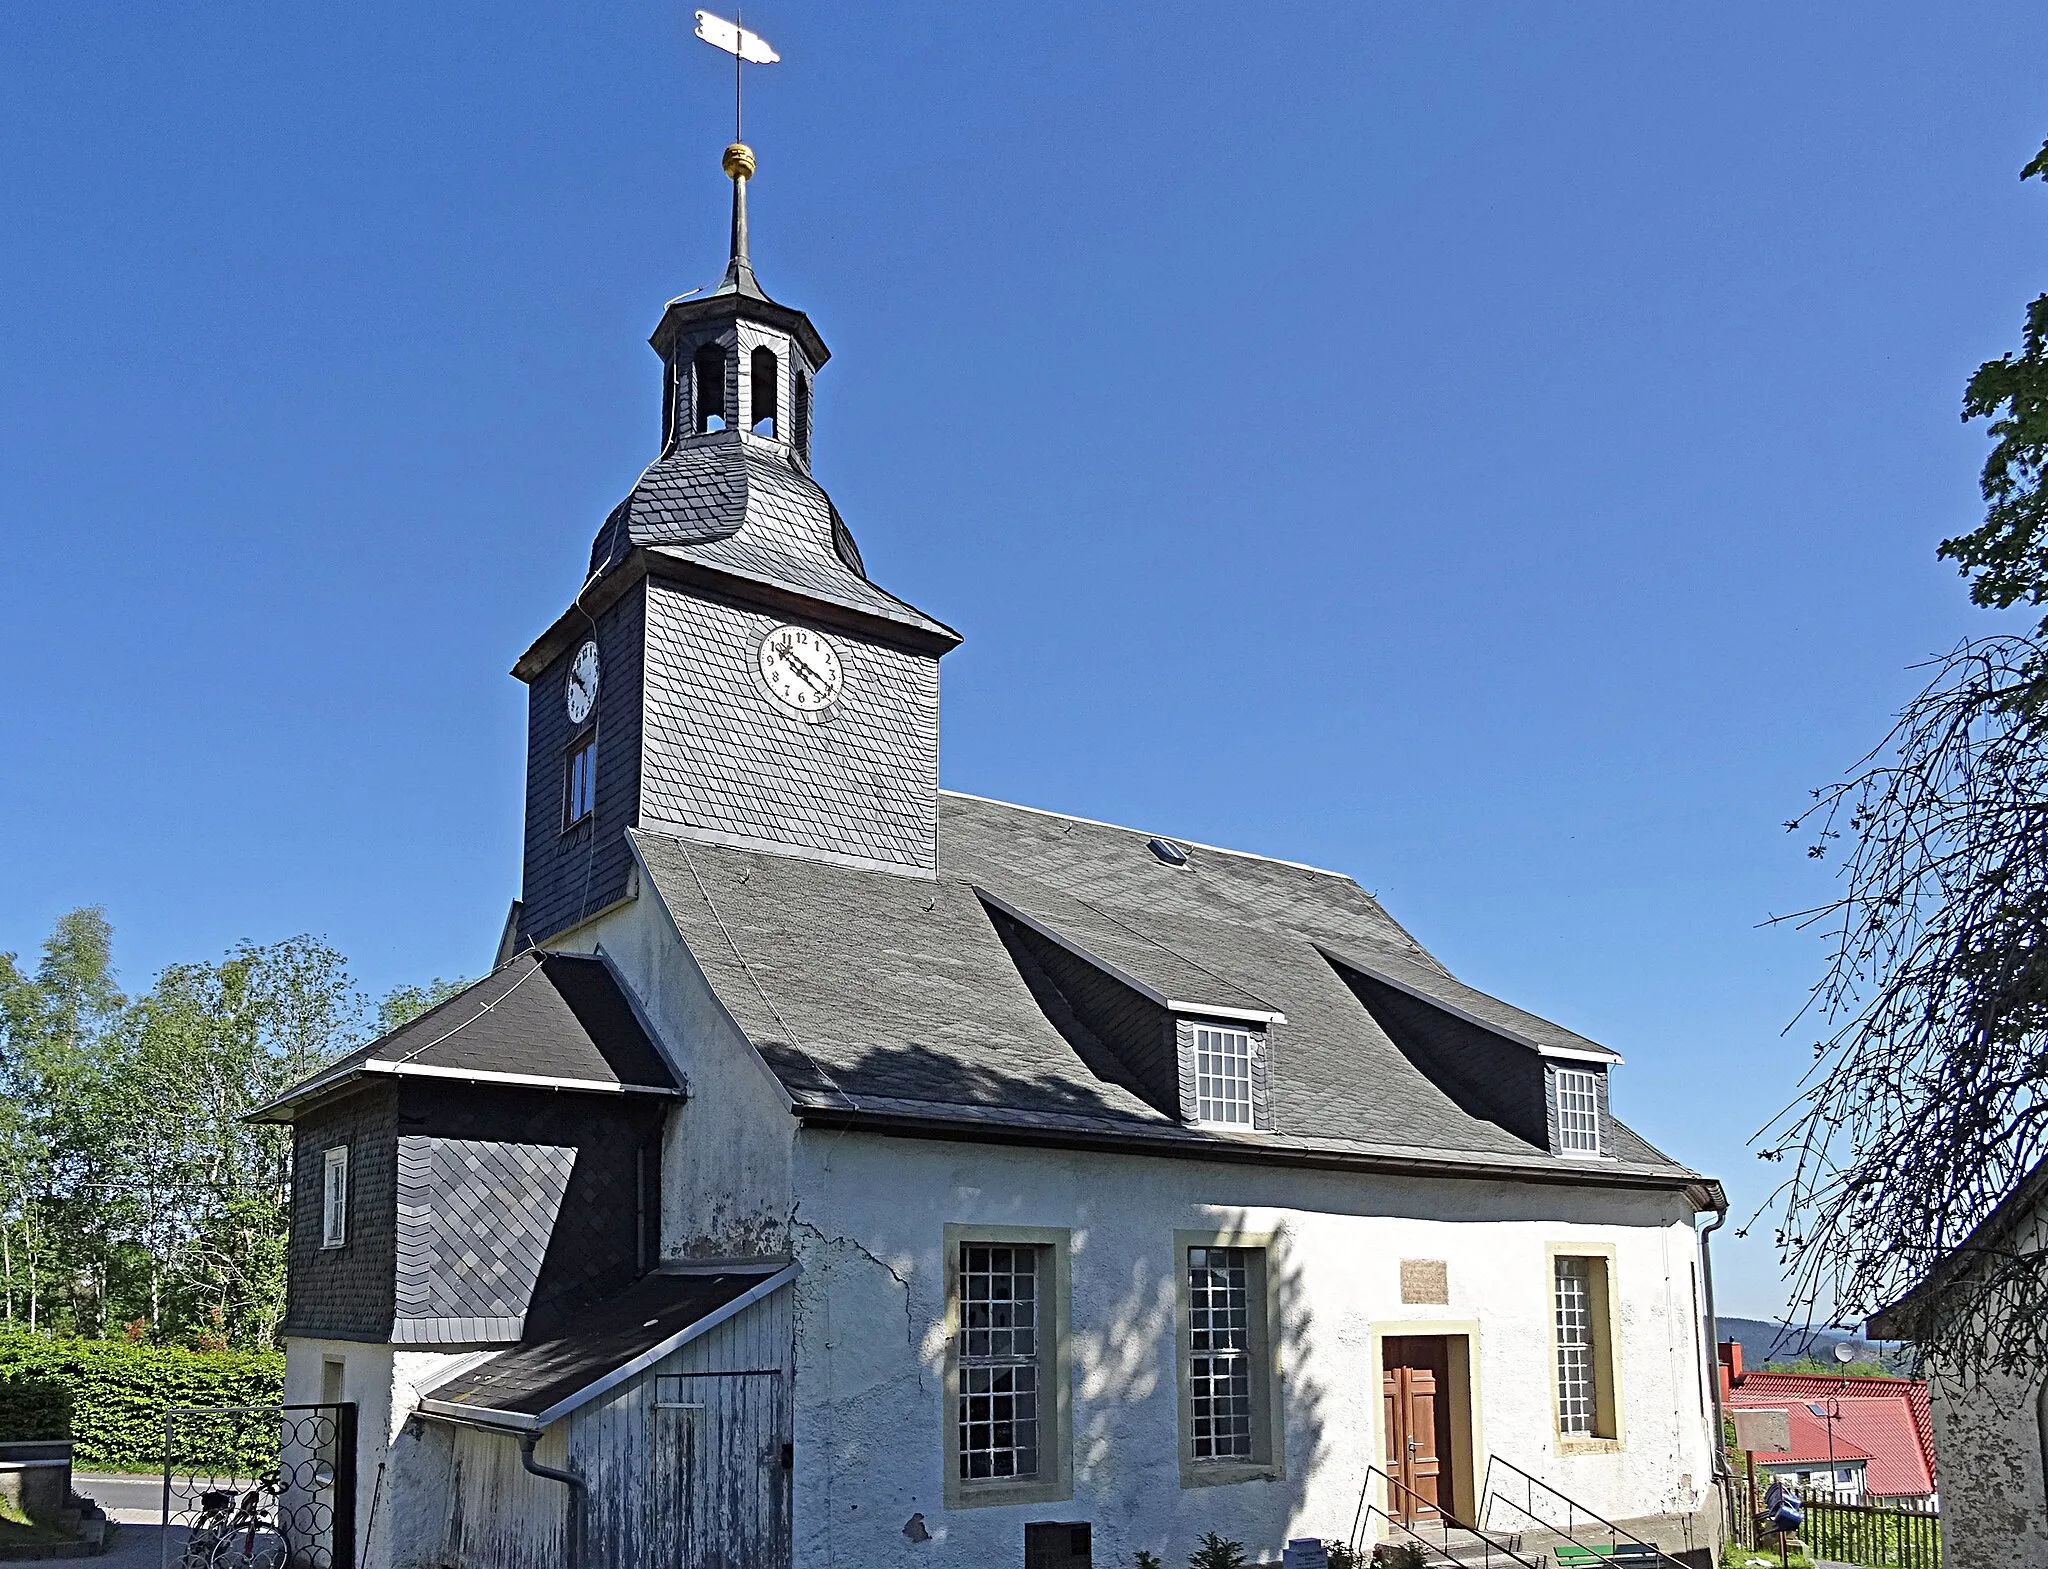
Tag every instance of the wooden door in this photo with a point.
(1416, 1387)
(720, 1484)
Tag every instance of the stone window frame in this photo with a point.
(1055, 1480)
(334, 1207)
(1268, 1460)
(1609, 1431)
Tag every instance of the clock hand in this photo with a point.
(817, 682)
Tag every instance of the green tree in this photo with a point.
(55, 1028)
(403, 1004)
(211, 1191)
(1928, 1101)
(133, 1194)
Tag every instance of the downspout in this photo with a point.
(578, 1488)
(1722, 1480)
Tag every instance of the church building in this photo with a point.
(837, 1170)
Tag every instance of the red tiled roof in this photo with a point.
(1890, 1418)
(1810, 1443)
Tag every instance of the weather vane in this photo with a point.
(745, 48)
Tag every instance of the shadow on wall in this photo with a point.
(1133, 1359)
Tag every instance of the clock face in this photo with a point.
(802, 669)
(582, 688)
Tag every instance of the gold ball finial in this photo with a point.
(739, 161)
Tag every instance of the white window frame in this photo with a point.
(1219, 1043)
(334, 1197)
(1578, 1112)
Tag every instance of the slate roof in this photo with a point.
(541, 1381)
(742, 508)
(885, 996)
(558, 1018)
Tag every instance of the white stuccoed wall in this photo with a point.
(400, 1520)
(1988, 1450)
(725, 1173)
(869, 1403)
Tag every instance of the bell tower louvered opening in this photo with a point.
(764, 379)
(710, 389)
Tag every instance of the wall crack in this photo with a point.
(909, 1313)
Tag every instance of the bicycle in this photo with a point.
(237, 1534)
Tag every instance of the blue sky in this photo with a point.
(1493, 450)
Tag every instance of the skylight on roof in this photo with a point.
(1167, 851)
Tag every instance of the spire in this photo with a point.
(739, 270)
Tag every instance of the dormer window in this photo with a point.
(709, 374)
(761, 402)
(1578, 1112)
(1223, 1076)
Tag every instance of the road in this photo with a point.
(133, 1500)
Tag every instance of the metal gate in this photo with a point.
(719, 1490)
(260, 1487)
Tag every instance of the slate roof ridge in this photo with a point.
(1193, 844)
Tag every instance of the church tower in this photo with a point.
(728, 673)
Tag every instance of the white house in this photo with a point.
(840, 1171)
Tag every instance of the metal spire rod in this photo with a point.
(746, 49)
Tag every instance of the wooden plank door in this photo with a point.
(1415, 1387)
(720, 1483)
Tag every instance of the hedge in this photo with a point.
(111, 1395)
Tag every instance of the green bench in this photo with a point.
(1571, 1556)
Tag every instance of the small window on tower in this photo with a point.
(580, 782)
(800, 416)
(763, 398)
(334, 1198)
(710, 378)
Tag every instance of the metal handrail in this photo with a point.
(1489, 1492)
(1368, 1507)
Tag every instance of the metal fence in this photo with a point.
(1877, 1538)
(259, 1487)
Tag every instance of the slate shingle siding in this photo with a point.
(570, 875)
(1488, 1077)
(345, 1293)
(722, 759)
(598, 1242)
(606, 1231)
(474, 1220)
